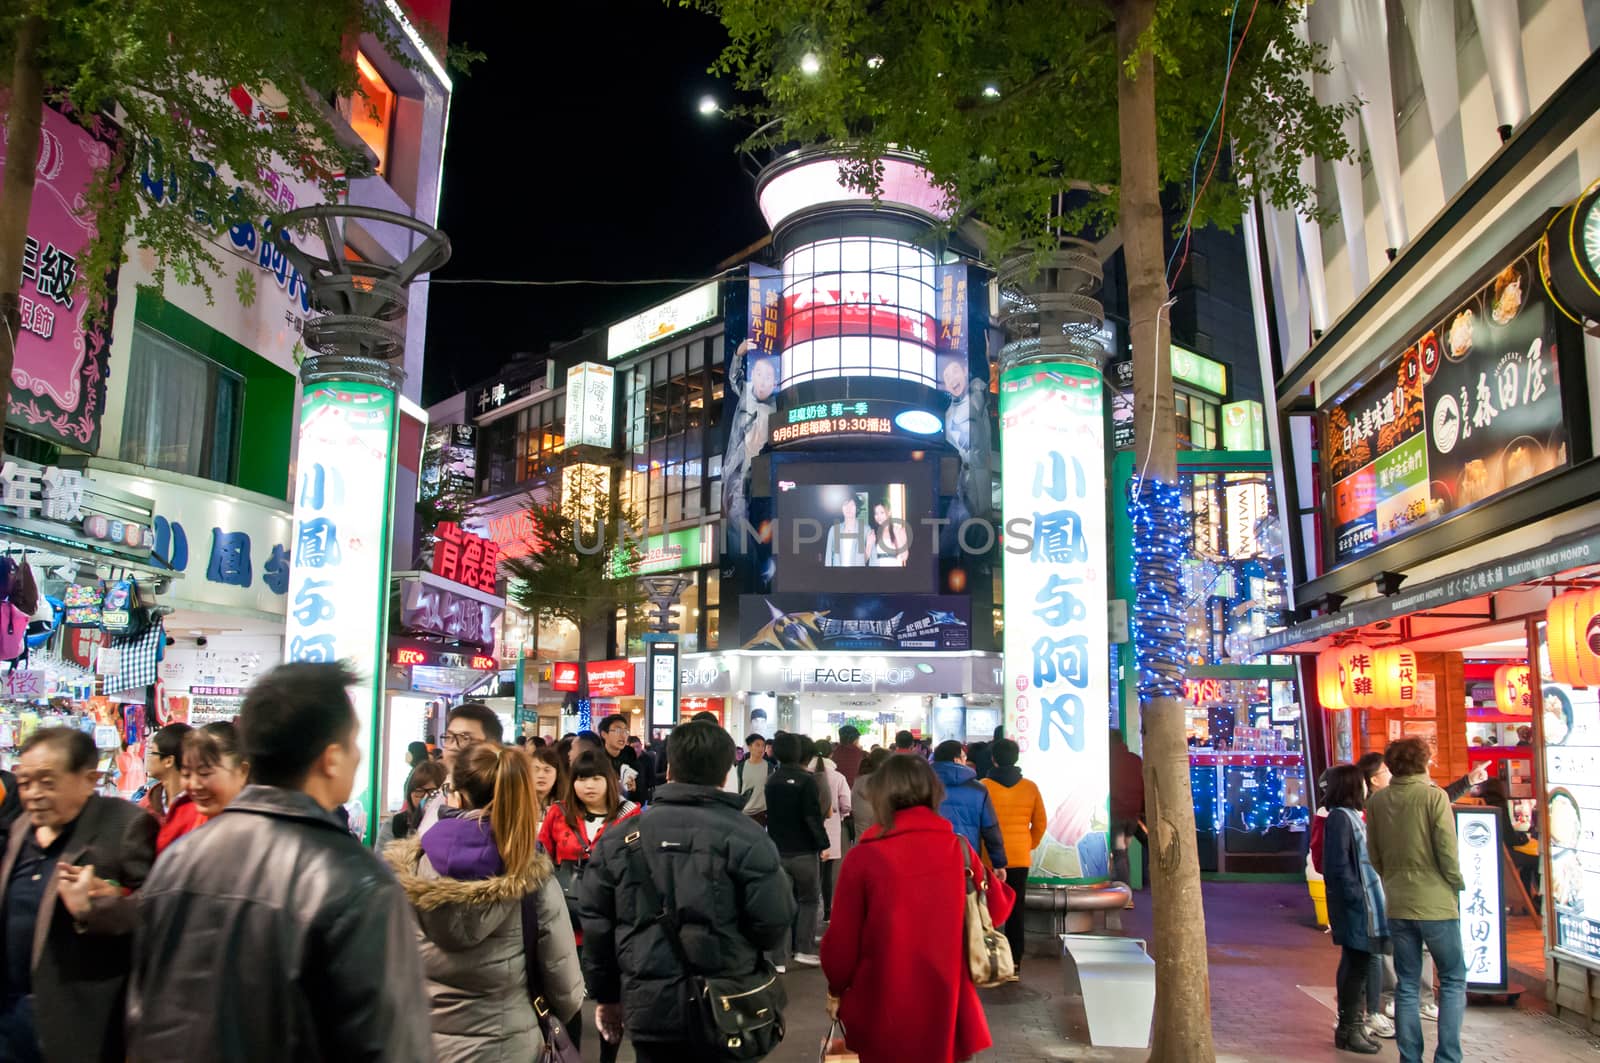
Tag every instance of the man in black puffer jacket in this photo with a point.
(715, 869)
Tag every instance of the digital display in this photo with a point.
(854, 526)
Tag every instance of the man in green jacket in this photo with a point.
(1411, 839)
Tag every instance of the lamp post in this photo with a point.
(661, 651)
(1053, 481)
(339, 572)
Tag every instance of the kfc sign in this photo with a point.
(461, 557)
(607, 679)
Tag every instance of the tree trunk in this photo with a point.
(1183, 986)
(16, 190)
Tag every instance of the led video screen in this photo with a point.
(854, 526)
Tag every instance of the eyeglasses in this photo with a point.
(460, 739)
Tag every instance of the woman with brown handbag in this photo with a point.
(897, 944)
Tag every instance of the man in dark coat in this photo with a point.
(71, 863)
(713, 867)
(795, 825)
(272, 934)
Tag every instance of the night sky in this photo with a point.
(576, 150)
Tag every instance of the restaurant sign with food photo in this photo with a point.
(1470, 409)
(1572, 782)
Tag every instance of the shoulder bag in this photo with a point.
(569, 875)
(989, 958)
(558, 1047)
(730, 1018)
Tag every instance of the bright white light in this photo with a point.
(810, 64)
(992, 91)
(708, 105)
(921, 422)
(874, 62)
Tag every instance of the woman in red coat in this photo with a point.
(895, 954)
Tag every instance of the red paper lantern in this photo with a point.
(1513, 690)
(1358, 676)
(1396, 668)
(1328, 690)
(1572, 638)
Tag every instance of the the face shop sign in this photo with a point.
(845, 676)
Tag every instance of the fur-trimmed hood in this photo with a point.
(428, 891)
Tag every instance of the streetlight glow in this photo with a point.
(874, 62)
(991, 92)
(709, 105)
(810, 64)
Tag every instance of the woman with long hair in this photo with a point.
(897, 946)
(860, 802)
(549, 777)
(888, 538)
(836, 792)
(473, 878)
(590, 804)
(1356, 912)
(214, 771)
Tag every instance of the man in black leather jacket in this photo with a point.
(270, 933)
(714, 868)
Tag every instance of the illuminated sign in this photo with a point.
(1483, 919)
(684, 548)
(338, 603)
(1244, 425)
(514, 533)
(1202, 691)
(1245, 497)
(675, 315)
(819, 182)
(1198, 371)
(662, 672)
(429, 657)
(590, 389)
(583, 488)
(461, 557)
(607, 679)
(832, 426)
(1571, 779)
(1056, 640)
(820, 421)
(692, 707)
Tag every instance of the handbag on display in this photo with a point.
(81, 602)
(558, 1047)
(123, 612)
(989, 958)
(730, 1018)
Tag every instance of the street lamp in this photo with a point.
(810, 65)
(991, 92)
(709, 105)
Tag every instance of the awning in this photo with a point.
(1462, 600)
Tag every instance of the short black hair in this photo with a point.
(168, 742)
(608, 722)
(999, 730)
(418, 751)
(947, 752)
(848, 733)
(700, 754)
(1369, 765)
(1347, 788)
(74, 744)
(788, 749)
(1408, 756)
(493, 729)
(904, 740)
(703, 717)
(1004, 752)
(290, 716)
(753, 738)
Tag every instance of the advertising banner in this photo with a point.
(591, 388)
(449, 462)
(338, 580)
(810, 622)
(1471, 409)
(1572, 784)
(1483, 912)
(58, 382)
(1056, 643)
(607, 679)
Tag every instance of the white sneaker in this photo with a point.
(1430, 1011)
(1380, 1026)
(1388, 1010)
(780, 968)
(806, 959)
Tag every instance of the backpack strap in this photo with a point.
(640, 866)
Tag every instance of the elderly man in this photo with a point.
(65, 883)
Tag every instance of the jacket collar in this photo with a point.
(281, 803)
(952, 774)
(1411, 780)
(1006, 776)
(682, 793)
(427, 890)
(913, 821)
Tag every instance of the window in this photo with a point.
(182, 412)
(1197, 419)
(371, 111)
(674, 404)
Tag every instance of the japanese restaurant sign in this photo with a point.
(1483, 920)
(1471, 409)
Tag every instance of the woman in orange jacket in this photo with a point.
(1020, 809)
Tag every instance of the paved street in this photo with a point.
(1272, 998)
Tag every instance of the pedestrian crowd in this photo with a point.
(230, 914)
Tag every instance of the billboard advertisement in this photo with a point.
(811, 622)
(58, 382)
(590, 391)
(339, 572)
(1056, 642)
(1470, 410)
(449, 462)
(854, 526)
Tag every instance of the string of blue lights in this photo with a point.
(1157, 624)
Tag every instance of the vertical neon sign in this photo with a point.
(1056, 683)
(339, 573)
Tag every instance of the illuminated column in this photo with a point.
(1052, 442)
(339, 573)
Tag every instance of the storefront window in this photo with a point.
(183, 410)
(370, 111)
(1197, 420)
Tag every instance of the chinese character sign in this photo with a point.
(1055, 621)
(59, 379)
(1483, 922)
(590, 389)
(338, 555)
(462, 557)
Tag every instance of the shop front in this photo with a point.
(1455, 592)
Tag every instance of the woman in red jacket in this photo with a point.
(895, 954)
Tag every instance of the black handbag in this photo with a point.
(569, 876)
(729, 1018)
(558, 1047)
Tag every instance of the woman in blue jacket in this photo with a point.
(1355, 903)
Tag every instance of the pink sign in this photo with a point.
(58, 382)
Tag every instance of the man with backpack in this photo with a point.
(677, 909)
